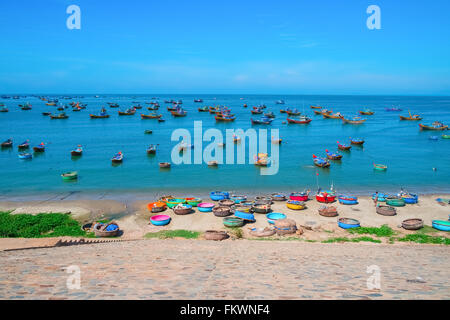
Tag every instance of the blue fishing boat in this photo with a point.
(39, 148)
(321, 162)
(263, 120)
(333, 155)
(25, 156)
(118, 157)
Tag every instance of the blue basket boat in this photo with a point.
(274, 216)
(244, 215)
(441, 225)
(238, 199)
(348, 200)
(347, 223)
(381, 197)
(410, 198)
(219, 195)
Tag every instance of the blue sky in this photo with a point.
(196, 46)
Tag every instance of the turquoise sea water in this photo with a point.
(407, 151)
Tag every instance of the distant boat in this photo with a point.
(72, 175)
(343, 146)
(354, 120)
(357, 141)
(151, 149)
(333, 155)
(128, 112)
(411, 117)
(366, 112)
(62, 115)
(437, 126)
(198, 100)
(279, 102)
(263, 120)
(379, 167)
(393, 109)
(77, 151)
(337, 115)
(24, 145)
(152, 115)
(262, 160)
(39, 148)
(25, 155)
(299, 120)
(118, 157)
(321, 162)
(7, 144)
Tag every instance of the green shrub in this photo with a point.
(166, 234)
(383, 231)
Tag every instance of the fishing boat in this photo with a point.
(446, 136)
(220, 117)
(78, 151)
(113, 105)
(263, 120)
(347, 223)
(7, 144)
(409, 198)
(198, 100)
(128, 112)
(256, 110)
(279, 102)
(137, 106)
(151, 149)
(321, 162)
(24, 145)
(51, 104)
(103, 114)
(348, 200)
(269, 115)
(155, 107)
(315, 107)
(379, 167)
(354, 120)
(333, 156)
(357, 141)
(262, 160)
(393, 109)
(395, 201)
(4, 109)
(203, 109)
(72, 175)
(276, 141)
(26, 107)
(344, 147)
(294, 112)
(437, 126)
(164, 165)
(179, 113)
(151, 116)
(62, 115)
(118, 157)
(299, 196)
(25, 156)
(411, 117)
(148, 131)
(236, 139)
(39, 148)
(336, 115)
(326, 196)
(323, 111)
(366, 112)
(299, 120)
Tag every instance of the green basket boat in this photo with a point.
(194, 202)
(379, 167)
(73, 175)
(446, 136)
(174, 202)
(397, 202)
(233, 222)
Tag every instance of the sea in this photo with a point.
(415, 162)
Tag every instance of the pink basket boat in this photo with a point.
(160, 220)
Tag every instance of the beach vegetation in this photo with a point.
(39, 226)
(383, 231)
(237, 232)
(169, 234)
(345, 239)
(423, 238)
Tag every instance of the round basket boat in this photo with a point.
(261, 208)
(410, 198)
(441, 225)
(205, 207)
(263, 200)
(240, 208)
(285, 226)
(160, 220)
(222, 211)
(174, 202)
(412, 224)
(395, 202)
(106, 230)
(295, 205)
(248, 204)
(157, 206)
(245, 216)
(182, 209)
(165, 198)
(233, 222)
(226, 202)
(278, 197)
(218, 195)
(328, 211)
(381, 197)
(262, 232)
(193, 201)
(87, 227)
(216, 235)
(348, 200)
(238, 199)
(386, 210)
(347, 223)
(299, 196)
(274, 216)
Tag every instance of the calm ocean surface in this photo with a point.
(407, 151)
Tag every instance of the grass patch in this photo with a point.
(237, 232)
(39, 226)
(426, 230)
(344, 239)
(383, 231)
(279, 239)
(168, 234)
(423, 238)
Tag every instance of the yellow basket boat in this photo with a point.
(295, 205)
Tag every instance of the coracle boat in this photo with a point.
(274, 216)
(151, 149)
(328, 211)
(118, 158)
(379, 167)
(24, 145)
(238, 198)
(157, 206)
(62, 115)
(151, 116)
(25, 156)
(441, 225)
(241, 208)
(285, 226)
(411, 117)
(386, 210)
(244, 215)
(182, 209)
(337, 115)
(412, 224)
(72, 175)
(409, 197)
(261, 208)
(106, 230)
(219, 195)
(263, 200)
(366, 112)
(173, 202)
(7, 144)
(193, 201)
(326, 196)
(233, 222)
(347, 223)
(380, 197)
(333, 156)
(262, 232)
(278, 197)
(39, 148)
(295, 205)
(205, 207)
(226, 202)
(395, 201)
(437, 126)
(348, 200)
(160, 220)
(164, 165)
(221, 211)
(77, 152)
(321, 162)
(216, 235)
(262, 160)
(299, 196)
(354, 120)
(344, 147)
(300, 120)
(128, 112)
(357, 141)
